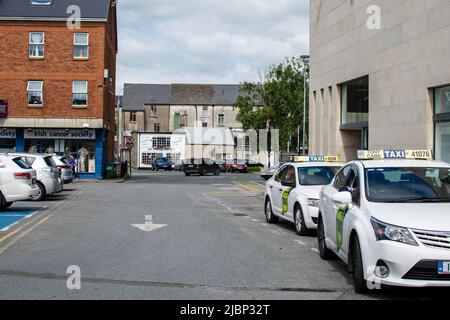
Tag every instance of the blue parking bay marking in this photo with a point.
(13, 216)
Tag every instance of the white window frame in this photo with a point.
(41, 91)
(205, 111)
(221, 120)
(75, 44)
(86, 93)
(36, 44)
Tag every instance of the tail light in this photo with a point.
(64, 166)
(23, 175)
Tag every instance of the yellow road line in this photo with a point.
(41, 221)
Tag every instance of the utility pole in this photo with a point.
(305, 59)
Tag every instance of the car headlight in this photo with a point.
(384, 231)
(314, 203)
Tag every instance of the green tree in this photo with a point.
(279, 99)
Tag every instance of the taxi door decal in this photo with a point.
(284, 201)
(340, 217)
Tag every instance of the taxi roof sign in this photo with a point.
(316, 158)
(395, 154)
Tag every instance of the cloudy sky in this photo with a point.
(207, 41)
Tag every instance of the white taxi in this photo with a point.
(387, 216)
(292, 194)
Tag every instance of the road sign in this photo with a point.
(129, 142)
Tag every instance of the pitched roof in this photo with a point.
(23, 10)
(135, 96)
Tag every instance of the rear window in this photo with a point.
(49, 161)
(21, 163)
(65, 160)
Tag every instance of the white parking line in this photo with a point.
(300, 242)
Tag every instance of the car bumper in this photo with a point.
(405, 263)
(23, 193)
(311, 215)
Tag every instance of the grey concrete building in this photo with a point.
(380, 76)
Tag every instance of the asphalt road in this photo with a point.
(215, 245)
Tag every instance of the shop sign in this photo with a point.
(7, 133)
(3, 108)
(60, 134)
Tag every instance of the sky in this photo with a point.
(207, 41)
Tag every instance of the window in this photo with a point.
(81, 45)
(148, 158)
(205, 124)
(35, 94)
(355, 101)
(154, 108)
(133, 116)
(205, 112)
(316, 176)
(36, 44)
(80, 93)
(157, 127)
(161, 143)
(442, 123)
(174, 157)
(221, 120)
(281, 174)
(408, 184)
(290, 174)
(341, 178)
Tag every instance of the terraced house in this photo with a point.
(158, 114)
(57, 79)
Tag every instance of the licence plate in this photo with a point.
(444, 267)
(190, 166)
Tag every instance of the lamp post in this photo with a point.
(305, 59)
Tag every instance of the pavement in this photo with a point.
(162, 235)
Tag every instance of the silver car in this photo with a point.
(63, 163)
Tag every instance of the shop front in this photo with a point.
(7, 140)
(85, 146)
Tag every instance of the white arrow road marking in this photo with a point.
(149, 226)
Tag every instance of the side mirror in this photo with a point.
(343, 198)
(287, 183)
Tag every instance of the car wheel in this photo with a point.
(325, 253)
(42, 192)
(270, 217)
(3, 203)
(300, 226)
(187, 174)
(359, 283)
(203, 172)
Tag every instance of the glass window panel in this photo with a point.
(81, 39)
(36, 38)
(443, 141)
(80, 86)
(442, 100)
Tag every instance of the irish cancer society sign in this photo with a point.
(61, 134)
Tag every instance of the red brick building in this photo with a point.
(57, 79)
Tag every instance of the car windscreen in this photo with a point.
(21, 163)
(316, 176)
(162, 159)
(408, 184)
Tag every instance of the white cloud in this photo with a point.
(207, 41)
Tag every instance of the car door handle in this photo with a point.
(271, 187)
(281, 190)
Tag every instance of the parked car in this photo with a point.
(17, 181)
(253, 164)
(178, 166)
(201, 167)
(47, 173)
(236, 166)
(64, 164)
(162, 163)
(269, 172)
(221, 165)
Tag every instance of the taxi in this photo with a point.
(292, 194)
(387, 216)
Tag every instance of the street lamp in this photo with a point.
(305, 59)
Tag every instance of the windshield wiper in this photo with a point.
(425, 200)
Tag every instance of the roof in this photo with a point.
(136, 96)
(403, 163)
(97, 10)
